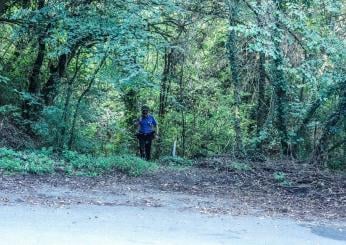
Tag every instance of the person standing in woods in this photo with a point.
(147, 131)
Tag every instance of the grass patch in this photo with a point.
(73, 163)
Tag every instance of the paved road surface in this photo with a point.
(125, 225)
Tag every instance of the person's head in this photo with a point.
(145, 110)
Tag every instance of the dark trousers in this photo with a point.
(145, 141)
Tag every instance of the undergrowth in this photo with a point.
(175, 161)
(73, 163)
(239, 166)
(25, 162)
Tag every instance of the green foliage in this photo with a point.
(85, 164)
(281, 178)
(25, 162)
(131, 165)
(240, 166)
(7, 110)
(49, 123)
(45, 161)
(175, 161)
(337, 163)
(162, 53)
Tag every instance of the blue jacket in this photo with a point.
(146, 124)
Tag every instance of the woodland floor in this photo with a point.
(211, 187)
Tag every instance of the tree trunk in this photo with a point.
(166, 79)
(130, 99)
(167, 74)
(182, 108)
(301, 131)
(32, 105)
(261, 102)
(85, 92)
(280, 86)
(62, 136)
(49, 91)
(281, 104)
(235, 73)
(321, 151)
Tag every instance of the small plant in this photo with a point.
(280, 177)
(131, 165)
(240, 166)
(72, 163)
(37, 163)
(91, 166)
(24, 162)
(175, 161)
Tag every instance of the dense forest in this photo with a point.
(251, 78)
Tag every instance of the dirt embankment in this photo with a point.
(215, 185)
(12, 136)
(286, 188)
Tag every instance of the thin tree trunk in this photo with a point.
(166, 77)
(31, 106)
(300, 132)
(235, 73)
(164, 90)
(280, 86)
(130, 99)
(49, 91)
(281, 104)
(321, 151)
(182, 108)
(65, 115)
(33, 79)
(85, 92)
(261, 102)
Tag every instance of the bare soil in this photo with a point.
(13, 137)
(211, 187)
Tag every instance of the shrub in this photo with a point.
(129, 164)
(40, 162)
(33, 162)
(90, 165)
(337, 163)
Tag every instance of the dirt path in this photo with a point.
(165, 208)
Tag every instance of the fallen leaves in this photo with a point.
(310, 193)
